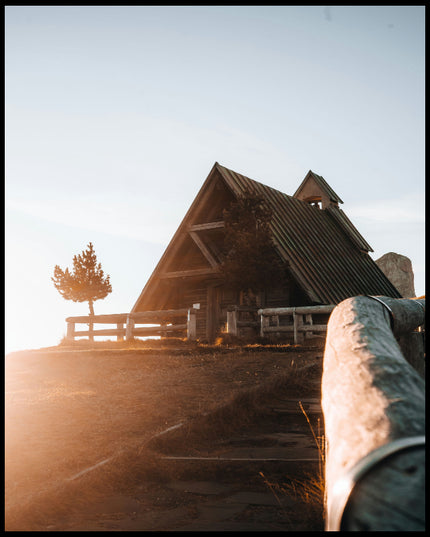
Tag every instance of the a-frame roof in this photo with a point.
(322, 183)
(323, 250)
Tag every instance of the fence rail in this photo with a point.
(296, 320)
(373, 400)
(163, 323)
(240, 317)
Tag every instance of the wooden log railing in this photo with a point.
(374, 412)
(163, 323)
(299, 321)
(236, 321)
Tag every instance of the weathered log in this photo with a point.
(290, 328)
(192, 325)
(159, 315)
(208, 225)
(158, 330)
(241, 308)
(232, 327)
(99, 319)
(102, 332)
(373, 403)
(247, 324)
(70, 330)
(203, 248)
(121, 332)
(301, 310)
(147, 317)
(412, 347)
(297, 325)
(406, 314)
(129, 329)
(189, 273)
(264, 325)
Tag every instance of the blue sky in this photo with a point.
(115, 116)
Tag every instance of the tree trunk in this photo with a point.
(91, 325)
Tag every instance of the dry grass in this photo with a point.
(237, 411)
(311, 488)
(68, 409)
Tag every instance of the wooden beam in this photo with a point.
(290, 328)
(208, 225)
(301, 310)
(406, 314)
(203, 249)
(157, 330)
(159, 315)
(129, 329)
(373, 403)
(120, 337)
(70, 330)
(192, 325)
(99, 319)
(297, 325)
(232, 322)
(105, 332)
(189, 273)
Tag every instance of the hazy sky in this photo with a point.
(115, 116)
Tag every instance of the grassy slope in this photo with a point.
(68, 409)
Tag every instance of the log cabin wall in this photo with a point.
(277, 297)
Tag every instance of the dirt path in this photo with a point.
(127, 476)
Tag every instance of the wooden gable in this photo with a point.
(315, 190)
(188, 272)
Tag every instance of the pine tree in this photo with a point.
(251, 263)
(86, 283)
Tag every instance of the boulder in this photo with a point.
(398, 269)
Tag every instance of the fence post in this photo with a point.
(191, 325)
(232, 322)
(373, 402)
(264, 323)
(120, 326)
(70, 331)
(298, 322)
(309, 321)
(129, 328)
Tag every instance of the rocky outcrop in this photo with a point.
(398, 269)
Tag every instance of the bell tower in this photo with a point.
(315, 190)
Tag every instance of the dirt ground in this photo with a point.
(184, 438)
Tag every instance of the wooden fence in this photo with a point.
(373, 402)
(240, 318)
(296, 320)
(181, 322)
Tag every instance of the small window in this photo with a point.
(314, 201)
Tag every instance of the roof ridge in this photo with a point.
(252, 180)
